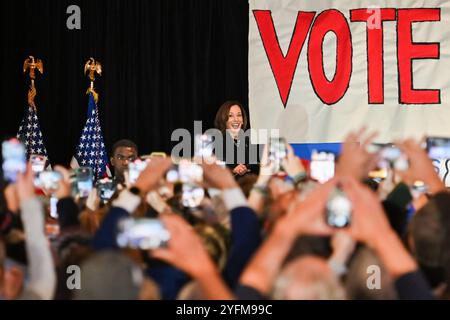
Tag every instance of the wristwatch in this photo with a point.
(299, 178)
(261, 189)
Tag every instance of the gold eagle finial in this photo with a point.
(90, 68)
(31, 64)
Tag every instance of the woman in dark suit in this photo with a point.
(231, 120)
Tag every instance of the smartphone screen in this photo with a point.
(53, 207)
(277, 149)
(106, 189)
(338, 209)
(37, 163)
(438, 148)
(192, 196)
(49, 180)
(134, 170)
(190, 172)
(203, 146)
(185, 171)
(322, 166)
(390, 157)
(14, 159)
(142, 233)
(84, 180)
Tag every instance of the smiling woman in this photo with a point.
(231, 119)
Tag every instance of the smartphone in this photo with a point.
(322, 165)
(185, 171)
(438, 148)
(338, 209)
(142, 233)
(277, 149)
(106, 189)
(135, 168)
(53, 207)
(49, 180)
(391, 157)
(203, 146)
(192, 195)
(37, 163)
(14, 159)
(83, 181)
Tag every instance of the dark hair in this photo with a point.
(124, 143)
(428, 231)
(221, 119)
(216, 240)
(246, 183)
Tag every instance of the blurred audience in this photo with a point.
(275, 233)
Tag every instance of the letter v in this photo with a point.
(283, 67)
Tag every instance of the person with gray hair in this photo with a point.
(308, 278)
(357, 283)
(111, 275)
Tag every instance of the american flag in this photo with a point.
(91, 151)
(30, 134)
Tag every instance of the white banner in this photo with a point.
(320, 68)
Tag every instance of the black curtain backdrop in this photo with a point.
(165, 64)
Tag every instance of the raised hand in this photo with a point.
(308, 216)
(186, 251)
(420, 167)
(370, 225)
(217, 177)
(355, 161)
(292, 164)
(152, 174)
(25, 184)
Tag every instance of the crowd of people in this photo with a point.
(254, 234)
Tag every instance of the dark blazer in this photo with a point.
(240, 151)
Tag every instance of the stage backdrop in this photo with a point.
(318, 69)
